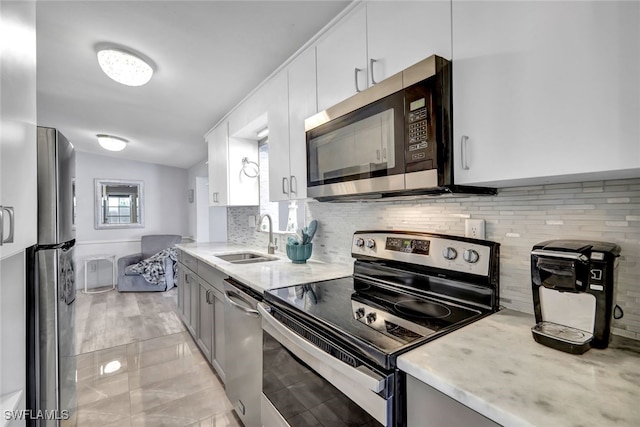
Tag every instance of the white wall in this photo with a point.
(165, 208)
(200, 169)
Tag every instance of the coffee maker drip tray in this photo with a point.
(561, 337)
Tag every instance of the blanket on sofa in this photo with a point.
(152, 268)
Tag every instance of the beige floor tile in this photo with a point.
(163, 378)
(104, 411)
(158, 420)
(94, 390)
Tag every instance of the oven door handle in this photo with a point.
(360, 375)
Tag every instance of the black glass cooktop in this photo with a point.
(372, 314)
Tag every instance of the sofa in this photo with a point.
(150, 245)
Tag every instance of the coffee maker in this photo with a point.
(573, 285)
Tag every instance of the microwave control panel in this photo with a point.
(420, 142)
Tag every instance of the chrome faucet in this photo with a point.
(271, 248)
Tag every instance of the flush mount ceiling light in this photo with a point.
(112, 143)
(124, 67)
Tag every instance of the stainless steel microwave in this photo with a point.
(391, 139)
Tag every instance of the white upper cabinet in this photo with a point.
(229, 184)
(401, 33)
(302, 104)
(376, 40)
(342, 60)
(545, 91)
(18, 171)
(278, 122)
(218, 141)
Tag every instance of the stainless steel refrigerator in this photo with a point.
(51, 289)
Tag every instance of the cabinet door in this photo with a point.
(217, 142)
(244, 188)
(278, 118)
(401, 33)
(302, 104)
(545, 91)
(186, 295)
(181, 286)
(218, 357)
(205, 319)
(425, 402)
(194, 296)
(341, 53)
(18, 179)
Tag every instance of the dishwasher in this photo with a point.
(243, 351)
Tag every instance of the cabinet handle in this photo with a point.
(12, 224)
(357, 70)
(292, 189)
(463, 152)
(384, 153)
(377, 154)
(371, 62)
(208, 297)
(186, 278)
(215, 197)
(285, 184)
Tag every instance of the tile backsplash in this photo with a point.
(517, 218)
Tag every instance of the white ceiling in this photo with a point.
(209, 55)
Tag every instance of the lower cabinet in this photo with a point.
(201, 306)
(428, 407)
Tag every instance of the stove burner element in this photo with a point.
(422, 309)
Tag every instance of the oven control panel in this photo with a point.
(439, 251)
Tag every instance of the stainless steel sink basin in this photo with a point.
(245, 258)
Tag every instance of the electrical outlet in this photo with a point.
(252, 221)
(93, 267)
(474, 228)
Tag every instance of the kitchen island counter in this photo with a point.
(262, 276)
(494, 367)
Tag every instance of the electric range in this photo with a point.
(407, 288)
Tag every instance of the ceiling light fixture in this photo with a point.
(263, 132)
(112, 143)
(124, 67)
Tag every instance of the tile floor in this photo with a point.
(137, 366)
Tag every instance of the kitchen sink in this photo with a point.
(245, 258)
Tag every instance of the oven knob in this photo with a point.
(359, 314)
(359, 242)
(371, 317)
(371, 243)
(471, 256)
(449, 253)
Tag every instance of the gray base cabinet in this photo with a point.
(428, 407)
(201, 306)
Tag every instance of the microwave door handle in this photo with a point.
(297, 345)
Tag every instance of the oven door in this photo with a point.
(359, 152)
(303, 385)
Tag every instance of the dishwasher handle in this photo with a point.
(229, 295)
(296, 344)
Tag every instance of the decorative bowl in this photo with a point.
(299, 254)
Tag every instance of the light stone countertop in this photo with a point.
(265, 275)
(496, 368)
